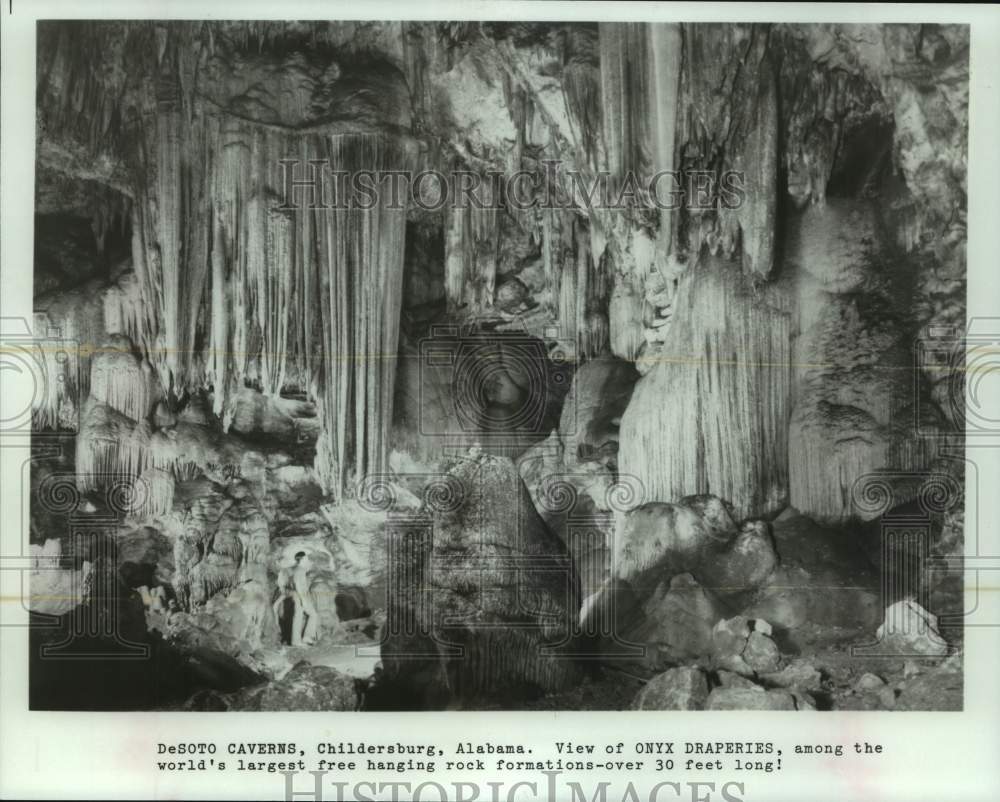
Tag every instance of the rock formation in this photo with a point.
(646, 370)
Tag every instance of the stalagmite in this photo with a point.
(711, 415)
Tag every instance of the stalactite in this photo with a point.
(68, 325)
(154, 497)
(855, 391)
(665, 69)
(210, 576)
(833, 446)
(220, 353)
(232, 285)
(726, 369)
(124, 312)
(110, 446)
(456, 259)
(472, 241)
(171, 220)
(570, 299)
(594, 336)
(624, 95)
(62, 353)
(110, 212)
(80, 94)
(120, 380)
(360, 270)
(758, 160)
(167, 199)
(592, 296)
(255, 539)
(581, 87)
(729, 121)
(55, 392)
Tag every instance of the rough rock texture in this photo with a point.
(744, 646)
(676, 689)
(677, 534)
(800, 674)
(675, 623)
(909, 630)
(305, 688)
(749, 699)
(52, 588)
(591, 415)
(940, 688)
(488, 590)
(855, 409)
(825, 590)
(745, 564)
(572, 475)
(696, 535)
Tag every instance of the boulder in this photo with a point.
(676, 689)
(744, 646)
(938, 688)
(824, 592)
(869, 682)
(695, 535)
(761, 653)
(749, 699)
(909, 630)
(305, 688)
(801, 674)
(671, 538)
(729, 679)
(676, 622)
(729, 639)
(744, 564)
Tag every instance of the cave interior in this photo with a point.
(526, 456)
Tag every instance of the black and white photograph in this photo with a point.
(498, 365)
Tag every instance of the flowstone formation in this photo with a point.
(630, 418)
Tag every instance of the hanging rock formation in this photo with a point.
(711, 414)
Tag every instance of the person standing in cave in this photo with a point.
(296, 584)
